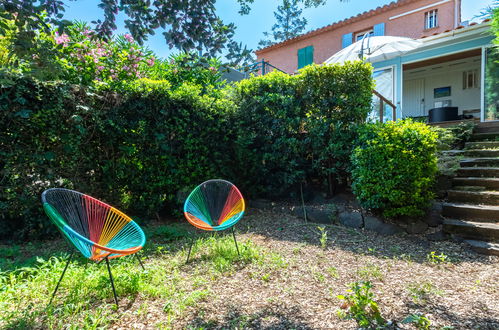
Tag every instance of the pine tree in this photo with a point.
(289, 23)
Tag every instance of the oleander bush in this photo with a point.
(394, 167)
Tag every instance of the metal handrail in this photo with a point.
(382, 106)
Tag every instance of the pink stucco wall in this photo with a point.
(328, 43)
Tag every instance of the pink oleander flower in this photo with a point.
(87, 32)
(213, 69)
(62, 39)
(100, 68)
(129, 37)
(100, 52)
(150, 61)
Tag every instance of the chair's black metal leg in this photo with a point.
(190, 248)
(234, 235)
(112, 282)
(62, 275)
(140, 261)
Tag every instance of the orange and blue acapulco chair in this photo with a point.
(96, 229)
(214, 205)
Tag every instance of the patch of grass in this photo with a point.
(167, 233)
(370, 272)
(422, 292)
(85, 298)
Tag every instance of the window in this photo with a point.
(431, 19)
(360, 35)
(305, 56)
(470, 79)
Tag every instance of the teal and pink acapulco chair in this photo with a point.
(214, 205)
(97, 230)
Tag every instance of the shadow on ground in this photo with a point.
(268, 318)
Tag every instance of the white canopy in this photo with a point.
(375, 49)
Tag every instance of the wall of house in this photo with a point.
(330, 42)
(443, 75)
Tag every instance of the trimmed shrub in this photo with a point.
(394, 167)
(135, 149)
(293, 127)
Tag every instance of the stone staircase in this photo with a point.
(472, 210)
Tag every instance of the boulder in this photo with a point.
(416, 227)
(434, 216)
(438, 236)
(377, 225)
(260, 204)
(351, 219)
(325, 216)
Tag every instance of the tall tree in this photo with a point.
(289, 23)
(190, 25)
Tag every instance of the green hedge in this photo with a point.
(394, 167)
(138, 146)
(135, 149)
(293, 127)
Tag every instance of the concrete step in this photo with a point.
(489, 248)
(481, 162)
(471, 212)
(491, 172)
(472, 230)
(482, 145)
(474, 197)
(490, 183)
(485, 136)
(469, 188)
(481, 153)
(486, 129)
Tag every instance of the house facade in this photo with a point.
(406, 18)
(453, 69)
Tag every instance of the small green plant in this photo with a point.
(420, 321)
(370, 272)
(359, 305)
(323, 238)
(333, 272)
(421, 292)
(436, 259)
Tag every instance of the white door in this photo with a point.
(413, 98)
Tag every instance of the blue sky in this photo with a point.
(250, 27)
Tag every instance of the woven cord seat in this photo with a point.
(97, 230)
(214, 205)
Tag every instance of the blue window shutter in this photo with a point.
(310, 55)
(346, 40)
(305, 56)
(301, 57)
(379, 29)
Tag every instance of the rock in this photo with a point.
(434, 216)
(325, 216)
(416, 227)
(377, 225)
(437, 236)
(260, 204)
(351, 219)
